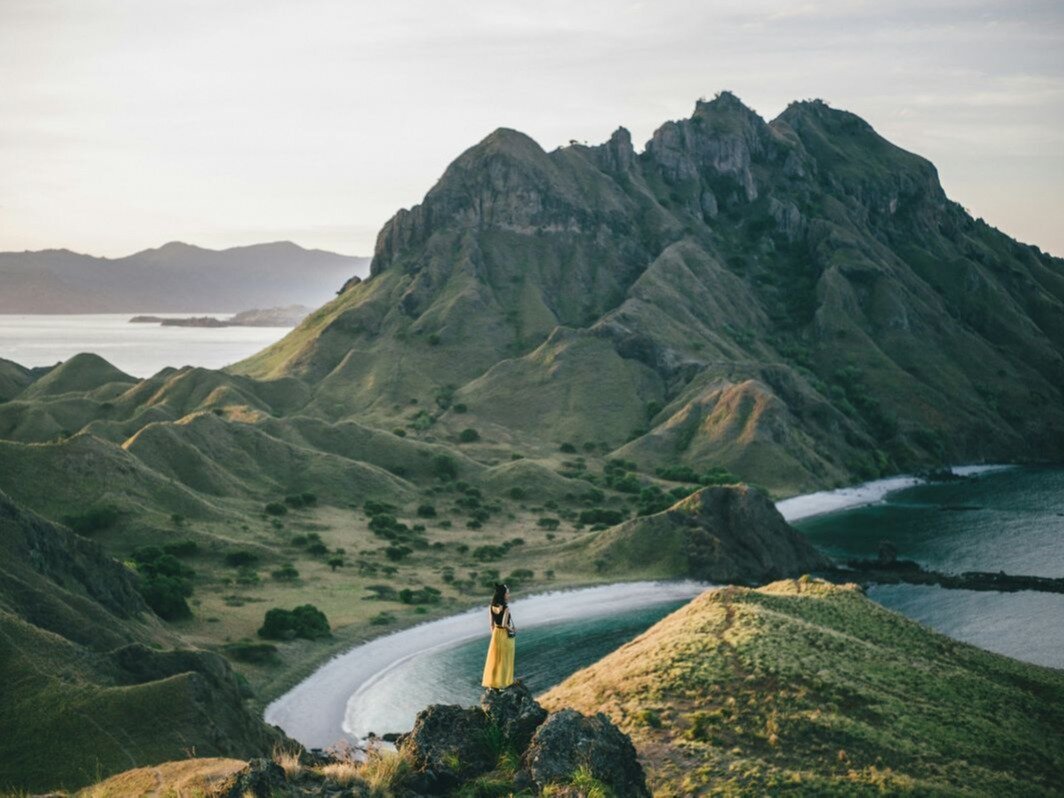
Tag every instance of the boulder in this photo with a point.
(261, 778)
(514, 712)
(449, 745)
(568, 740)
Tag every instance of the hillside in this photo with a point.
(93, 683)
(810, 689)
(174, 278)
(795, 300)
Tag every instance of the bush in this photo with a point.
(445, 467)
(567, 448)
(399, 432)
(286, 573)
(396, 553)
(235, 559)
(426, 511)
(275, 508)
(433, 339)
(489, 552)
(468, 435)
(166, 596)
(459, 408)
(318, 549)
(373, 508)
(599, 515)
(382, 619)
(94, 519)
(336, 561)
(305, 621)
(425, 595)
(549, 523)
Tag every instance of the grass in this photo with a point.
(812, 688)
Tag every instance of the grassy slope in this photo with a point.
(92, 683)
(806, 688)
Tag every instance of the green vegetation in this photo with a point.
(811, 689)
(165, 582)
(304, 621)
(93, 520)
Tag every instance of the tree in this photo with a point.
(305, 621)
(336, 561)
(468, 435)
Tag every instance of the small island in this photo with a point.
(288, 316)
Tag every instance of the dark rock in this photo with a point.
(515, 712)
(568, 740)
(450, 743)
(261, 778)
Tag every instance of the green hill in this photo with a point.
(93, 683)
(795, 300)
(805, 688)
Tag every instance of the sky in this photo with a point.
(125, 124)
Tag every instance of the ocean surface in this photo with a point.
(137, 349)
(1008, 520)
(545, 656)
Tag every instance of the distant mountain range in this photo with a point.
(174, 278)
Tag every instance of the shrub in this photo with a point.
(425, 595)
(399, 432)
(246, 575)
(549, 523)
(305, 621)
(599, 515)
(373, 508)
(255, 653)
(517, 493)
(468, 435)
(94, 519)
(318, 549)
(433, 339)
(567, 448)
(489, 552)
(444, 467)
(396, 553)
(336, 561)
(459, 408)
(286, 573)
(275, 508)
(166, 596)
(382, 619)
(235, 559)
(426, 511)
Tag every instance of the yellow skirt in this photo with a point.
(499, 667)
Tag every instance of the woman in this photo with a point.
(499, 667)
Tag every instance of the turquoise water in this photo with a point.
(545, 656)
(1010, 521)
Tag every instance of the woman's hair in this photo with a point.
(500, 594)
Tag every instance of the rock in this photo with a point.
(516, 713)
(448, 745)
(568, 740)
(261, 778)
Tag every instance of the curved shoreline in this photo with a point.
(821, 502)
(314, 712)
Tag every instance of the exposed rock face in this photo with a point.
(515, 712)
(569, 740)
(447, 744)
(728, 533)
(797, 298)
(450, 745)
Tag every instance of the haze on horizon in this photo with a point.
(126, 125)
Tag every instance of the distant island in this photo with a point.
(288, 316)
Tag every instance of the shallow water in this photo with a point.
(1009, 520)
(380, 685)
(137, 349)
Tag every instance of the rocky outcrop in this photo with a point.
(451, 745)
(568, 741)
(726, 533)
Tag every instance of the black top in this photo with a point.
(500, 616)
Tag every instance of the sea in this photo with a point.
(140, 350)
